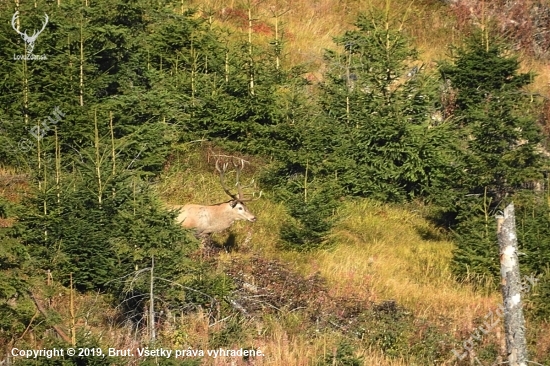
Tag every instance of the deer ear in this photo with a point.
(233, 203)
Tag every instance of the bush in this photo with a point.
(500, 156)
(312, 214)
(343, 356)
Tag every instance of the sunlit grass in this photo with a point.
(386, 252)
(541, 83)
(379, 252)
(308, 28)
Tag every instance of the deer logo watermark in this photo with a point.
(29, 40)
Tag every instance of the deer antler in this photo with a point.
(239, 166)
(253, 198)
(240, 188)
(13, 19)
(222, 175)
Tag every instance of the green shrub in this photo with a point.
(343, 356)
(388, 327)
(312, 213)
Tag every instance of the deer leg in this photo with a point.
(206, 241)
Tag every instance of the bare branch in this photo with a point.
(40, 308)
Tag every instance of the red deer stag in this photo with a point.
(206, 220)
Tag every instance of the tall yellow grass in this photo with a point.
(380, 252)
(309, 27)
(386, 252)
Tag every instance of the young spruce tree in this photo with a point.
(388, 145)
(500, 138)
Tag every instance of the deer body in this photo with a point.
(214, 218)
(206, 220)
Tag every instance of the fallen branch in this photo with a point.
(40, 308)
(237, 306)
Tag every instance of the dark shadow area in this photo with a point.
(230, 244)
(431, 234)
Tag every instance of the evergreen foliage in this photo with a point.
(237, 117)
(476, 256)
(387, 145)
(312, 211)
(501, 139)
(130, 79)
(533, 226)
(91, 213)
(16, 308)
(500, 145)
(344, 356)
(538, 306)
(99, 241)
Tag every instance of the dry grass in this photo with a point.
(279, 345)
(13, 186)
(381, 254)
(282, 349)
(541, 82)
(307, 28)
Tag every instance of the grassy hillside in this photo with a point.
(384, 259)
(380, 292)
(307, 28)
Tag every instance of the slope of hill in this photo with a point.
(379, 292)
(385, 284)
(306, 28)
